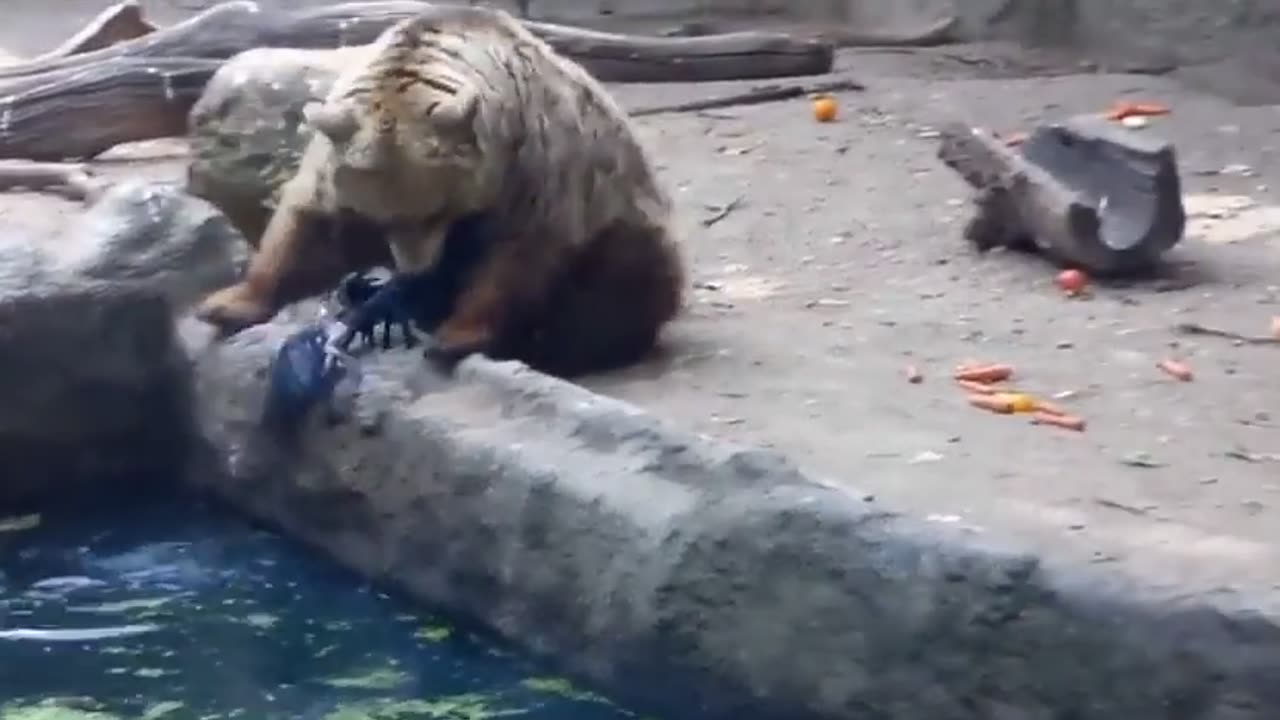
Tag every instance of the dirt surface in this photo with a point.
(828, 258)
(842, 264)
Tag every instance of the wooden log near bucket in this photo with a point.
(77, 102)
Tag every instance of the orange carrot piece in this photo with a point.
(984, 373)
(1014, 139)
(1123, 109)
(1048, 408)
(976, 388)
(1066, 422)
(1176, 369)
(992, 403)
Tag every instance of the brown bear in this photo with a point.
(459, 113)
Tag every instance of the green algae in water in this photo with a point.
(249, 628)
(461, 707)
(18, 523)
(55, 709)
(161, 709)
(433, 633)
(378, 679)
(563, 688)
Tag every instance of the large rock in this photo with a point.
(697, 579)
(155, 235)
(96, 387)
(247, 132)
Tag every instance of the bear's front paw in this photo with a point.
(233, 309)
(453, 345)
(372, 303)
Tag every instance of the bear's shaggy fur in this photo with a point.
(462, 112)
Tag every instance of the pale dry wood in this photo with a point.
(71, 180)
(80, 105)
(122, 21)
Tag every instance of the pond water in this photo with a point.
(175, 612)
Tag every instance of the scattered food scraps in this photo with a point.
(1066, 422)
(1122, 109)
(1072, 282)
(1176, 369)
(992, 403)
(976, 388)
(984, 373)
(914, 376)
(1019, 402)
(825, 108)
(1044, 406)
(980, 385)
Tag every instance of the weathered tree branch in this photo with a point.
(71, 180)
(943, 31)
(754, 96)
(940, 32)
(122, 21)
(76, 106)
(79, 112)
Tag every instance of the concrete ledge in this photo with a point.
(701, 579)
(96, 394)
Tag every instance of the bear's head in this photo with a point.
(409, 151)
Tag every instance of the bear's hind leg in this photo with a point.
(507, 285)
(607, 311)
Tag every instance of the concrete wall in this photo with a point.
(1190, 30)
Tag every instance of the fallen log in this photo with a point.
(80, 112)
(70, 180)
(943, 31)
(122, 21)
(1084, 192)
(79, 105)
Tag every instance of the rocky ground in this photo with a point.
(828, 257)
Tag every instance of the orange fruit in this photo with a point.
(824, 108)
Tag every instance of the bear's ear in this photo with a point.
(338, 123)
(458, 112)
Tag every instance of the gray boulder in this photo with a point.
(96, 385)
(157, 235)
(247, 131)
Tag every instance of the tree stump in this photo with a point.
(1084, 192)
(76, 106)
